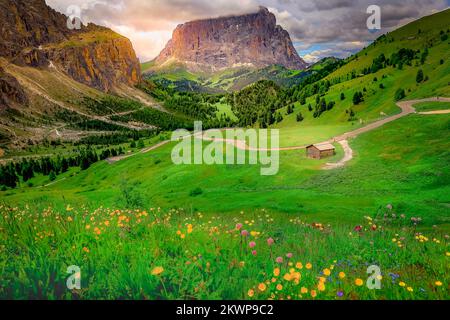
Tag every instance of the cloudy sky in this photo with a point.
(318, 28)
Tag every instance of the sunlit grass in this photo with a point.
(159, 254)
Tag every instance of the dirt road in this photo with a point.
(348, 155)
(405, 106)
(145, 150)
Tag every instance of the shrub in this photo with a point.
(419, 77)
(400, 94)
(130, 197)
(52, 176)
(357, 98)
(196, 192)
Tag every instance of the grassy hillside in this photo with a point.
(388, 168)
(378, 88)
(177, 76)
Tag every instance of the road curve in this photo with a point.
(406, 107)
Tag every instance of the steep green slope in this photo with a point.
(378, 84)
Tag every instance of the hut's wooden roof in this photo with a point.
(323, 146)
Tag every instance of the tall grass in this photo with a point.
(157, 254)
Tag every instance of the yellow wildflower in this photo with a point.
(157, 271)
(262, 287)
(287, 277)
(299, 265)
(359, 282)
(341, 275)
(251, 293)
(308, 266)
(313, 293)
(402, 284)
(327, 272)
(304, 290)
(410, 289)
(321, 286)
(438, 283)
(279, 287)
(276, 272)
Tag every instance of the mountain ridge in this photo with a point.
(32, 34)
(226, 42)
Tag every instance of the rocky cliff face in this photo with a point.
(36, 35)
(253, 39)
(98, 57)
(10, 90)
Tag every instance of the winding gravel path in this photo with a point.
(405, 106)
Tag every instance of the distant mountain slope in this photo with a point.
(234, 79)
(417, 35)
(252, 40)
(33, 34)
(47, 70)
(408, 63)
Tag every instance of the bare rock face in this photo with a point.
(34, 34)
(29, 23)
(102, 64)
(10, 90)
(252, 39)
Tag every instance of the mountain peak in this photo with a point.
(225, 42)
(264, 10)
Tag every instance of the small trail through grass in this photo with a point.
(405, 106)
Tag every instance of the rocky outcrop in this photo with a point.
(252, 39)
(101, 64)
(34, 34)
(10, 91)
(28, 24)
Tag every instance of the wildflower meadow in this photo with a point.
(158, 254)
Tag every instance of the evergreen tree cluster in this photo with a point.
(13, 173)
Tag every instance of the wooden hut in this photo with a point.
(320, 151)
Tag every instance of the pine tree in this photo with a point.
(52, 176)
(419, 77)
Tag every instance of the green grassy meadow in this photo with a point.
(144, 228)
(387, 168)
(432, 106)
(154, 254)
(301, 235)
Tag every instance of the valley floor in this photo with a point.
(387, 167)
